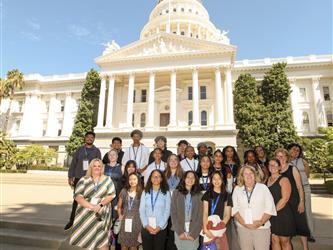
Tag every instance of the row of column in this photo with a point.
(188, 30)
(223, 97)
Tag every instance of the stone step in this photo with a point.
(32, 225)
(16, 247)
(318, 189)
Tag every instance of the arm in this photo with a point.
(197, 220)
(269, 207)
(142, 210)
(119, 208)
(227, 213)
(174, 213)
(166, 213)
(285, 193)
(299, 185)
(306, 168)
(71, 170)
(99, 154)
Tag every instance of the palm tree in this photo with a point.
(4, 91)
(15, 80)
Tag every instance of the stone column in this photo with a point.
(52, 122)
(173, 99)
(319, 109)
(68, 119)
(195, 98)
(189, 30)
(219, 98)
(109, 113)
(229, 97)
(101, 105)
(293, 99)
(130, 100)
(178, 28)
(151, 101)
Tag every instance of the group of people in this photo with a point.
(188, 200)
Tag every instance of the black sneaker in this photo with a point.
(311, 239)
(68, 226)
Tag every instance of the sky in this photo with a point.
(65, 36)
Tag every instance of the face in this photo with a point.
(218, 157)
(202, 150)
(294, 152)
(156, 178)
(97, 168)
(116, 145)
(133, 181)
(260, 152)
(182, 147)
(157, 155)
(273, 167)
(189, 152)
(136, 138)
(160, 144)
(190, 180)
(281, 157)
(173, 162)
(248, 176)
(89, 139)
(113, 156)
(229, 152)
(251, 158)
(205, 163)
(216, 181)
(130, 169)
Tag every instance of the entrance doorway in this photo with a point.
(164, 119)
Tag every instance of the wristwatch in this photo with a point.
(101, 204)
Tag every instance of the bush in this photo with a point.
(329, 186)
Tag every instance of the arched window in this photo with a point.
(203, 118)
(190, 118)
(305, 122)
(143, 120)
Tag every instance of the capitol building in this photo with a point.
(176, 80)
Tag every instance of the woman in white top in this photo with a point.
(156, 164)
(253, 206)
(189, 163)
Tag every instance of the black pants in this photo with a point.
(74, 205)
(170, 241)
(153, 242)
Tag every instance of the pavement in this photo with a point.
(45, 197)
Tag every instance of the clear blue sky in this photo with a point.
(64, 36)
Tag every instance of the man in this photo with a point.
(182, 145)
(116, 144)
(202, 150)
(137, 152)
(79, 167)
(161, 143)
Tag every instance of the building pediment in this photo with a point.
(164, 45)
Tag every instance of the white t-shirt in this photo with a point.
(261, 202)
(151, 167)
(139, 154)
(189, 165)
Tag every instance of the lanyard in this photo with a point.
(159, 166)
(205, 183)
(153, 203)
(188, 206)
(231, 166)
(214, 205)
(130, 202)
(136, 154)
(86, 153)
(190, 164)
(248, 196)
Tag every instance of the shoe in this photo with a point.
(68, 226)
(311, 239)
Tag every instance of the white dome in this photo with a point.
(183, 17)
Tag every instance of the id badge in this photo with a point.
(94, 200)
(128, 225)
(248, 216)
(187, 227)
(152, 222)
(85, 165)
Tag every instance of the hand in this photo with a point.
(251, 226)
(190, 238)
(182, 236)
(301, 208)
(71, 182)
(209, 234)
(157, 230)
(96, 208)
(257, 223)
(121, 217)
(150, 229)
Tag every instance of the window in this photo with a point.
(174, 9)
(44, 127)
(182, 33)
(326, 91)
(203, 93)
(143, 95)
(47, 105)
(302, 94)
(59, 127)
(134, 93)
(306, 122)
(189, 93)
(142, 120)
(190, 10)
(20, 106)
(183, 9)
(17, 125)
(203, 118)
(62, 106)
(133, 120)
(190, 118)
(329, 118)
(167, 11)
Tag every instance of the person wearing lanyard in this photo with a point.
(216, 201)
(186, 212)
(218, 158)
(155, 211)
(189, 163)
(230, 163)
(156, 164)
(128, 211)
(253, 206)
(173, 172)
(204, 171)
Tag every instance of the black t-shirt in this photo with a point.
(211, 195)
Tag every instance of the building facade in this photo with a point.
(176, 80)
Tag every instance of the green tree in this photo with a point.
(8, 152)
(86, 117)
(316, 152)
(35, 154)
(249, 112)
(275, 91)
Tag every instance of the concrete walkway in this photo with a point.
(46, 197)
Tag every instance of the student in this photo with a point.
(155, 211)
(218, 158)
(128, 212)
(202, 150)
(186, 212)
(250, 159)
(116, 144)
(189, 163)
(156, 164)
(182, 145)
(161, 143)
(216, 201)
(204, 171)
(130, 167)
(230, 162)
(173, 172)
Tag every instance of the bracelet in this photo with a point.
(100, 204)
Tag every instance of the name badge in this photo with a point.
(85, 165)
(187, 227)
(128, 225)
(94, 200)
(152, 222)
(248, 216)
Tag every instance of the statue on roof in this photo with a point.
(111, 47)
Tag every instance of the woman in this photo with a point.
(130, 167)
(296, 159)
(253, 206)
(128, 211)
(173, 172)
(156, 164)
(155, 211)
(186, 212)
(218, 158)
(250, 158)
(283, 225)
(230, 163)
(182, 144)
(161, 143)
(216, 201)
(189, 163)
(93, 193)
(204, 171)
(297, 195)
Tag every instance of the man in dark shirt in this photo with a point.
(79, 167)
(161, 142)
(116, 144)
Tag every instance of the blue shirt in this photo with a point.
(173, 182)
(161, 208)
